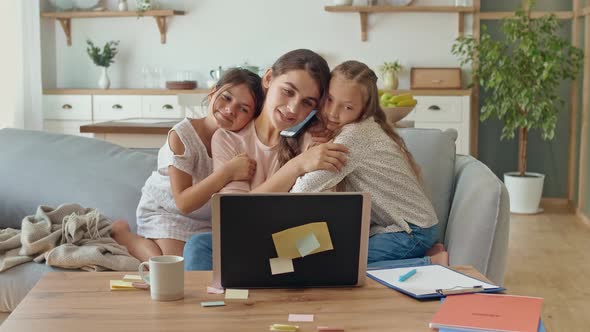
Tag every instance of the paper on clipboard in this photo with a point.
(427, 279)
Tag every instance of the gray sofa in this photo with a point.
(39, 168)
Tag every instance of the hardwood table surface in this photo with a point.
(124, 126)
(82, 301)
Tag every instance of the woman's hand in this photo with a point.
(326, 156)
(240, 168)
(320, 134)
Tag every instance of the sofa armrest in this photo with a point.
(479, 221)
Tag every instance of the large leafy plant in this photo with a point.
(105, 57)
(522, 74)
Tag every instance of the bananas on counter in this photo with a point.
(386, 99)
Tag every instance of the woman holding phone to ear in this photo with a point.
(295, 85)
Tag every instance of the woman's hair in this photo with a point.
(361, 74)
(237, 76)
(318, 69)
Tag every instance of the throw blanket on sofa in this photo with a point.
(69, 236)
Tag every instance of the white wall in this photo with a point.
(11, 64)
(229, 32)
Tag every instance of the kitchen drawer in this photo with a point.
(116, 107)
(160, 107)
(462, 142)
(66, 127)
(67, 107)
(438, 109)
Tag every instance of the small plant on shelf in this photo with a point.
(389, 74)
(105, 57)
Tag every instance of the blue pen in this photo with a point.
(407, 275)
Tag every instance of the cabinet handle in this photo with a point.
(66, 106)
(167, 107)
(117, 107)
(434, 108)
(436, 81)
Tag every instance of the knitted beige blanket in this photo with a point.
(69, 236)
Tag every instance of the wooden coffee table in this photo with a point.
(82, 301)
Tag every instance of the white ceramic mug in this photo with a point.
(166, 277)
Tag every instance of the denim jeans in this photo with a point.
(198, 253)
(398, 249)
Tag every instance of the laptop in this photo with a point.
(284, 240)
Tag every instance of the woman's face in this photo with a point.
(233, 108)
(290, 97)
(344, 103)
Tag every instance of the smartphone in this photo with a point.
(300, 127)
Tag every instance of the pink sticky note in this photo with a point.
(213, 290)
(300, 318)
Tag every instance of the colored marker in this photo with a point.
(407, 275)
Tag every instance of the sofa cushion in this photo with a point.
(434, 151)
(41, 168)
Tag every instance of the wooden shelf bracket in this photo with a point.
(66, 25)
(161, 21)
(364, 17)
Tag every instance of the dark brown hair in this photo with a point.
(361, 74)
(318, 69)
(237, 76)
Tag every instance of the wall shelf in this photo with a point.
(122, 91)
(364, 11)
(65, 19)
(562, 15)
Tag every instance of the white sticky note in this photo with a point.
(307, 244)
(214, 290)
(300, 318)
(132, 277)
(281, 265)
(236, 294)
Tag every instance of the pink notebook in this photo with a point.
(489, 312)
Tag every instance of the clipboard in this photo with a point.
(431, 281)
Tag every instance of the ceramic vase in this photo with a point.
(390, 81)
(104, 82)
(123, 7)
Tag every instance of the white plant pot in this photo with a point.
(104, 82)
(525, 192)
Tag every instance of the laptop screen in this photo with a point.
(246, 224)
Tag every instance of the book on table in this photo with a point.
(488, 312)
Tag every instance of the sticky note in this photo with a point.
(121, 285)
(300, 318)
(281, 265)
(236, 294)
(132, 277)
(283, 327)
(212, 304)
(214, 290)
(307, 244)
(286, 241)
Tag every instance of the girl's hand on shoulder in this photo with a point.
(320, 134)
(325, 156)
(240, 168)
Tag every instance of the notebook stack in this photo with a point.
(489, 312)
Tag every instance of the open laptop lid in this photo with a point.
(243, 241)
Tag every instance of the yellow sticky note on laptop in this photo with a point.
(286, 241)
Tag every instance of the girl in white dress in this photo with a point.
(175, 199)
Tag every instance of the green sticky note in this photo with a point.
(307, 244)
(212, 304)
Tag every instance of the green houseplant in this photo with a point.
(389, 71)
(103, 58)
(521, 75)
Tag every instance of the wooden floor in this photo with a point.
(549, 256)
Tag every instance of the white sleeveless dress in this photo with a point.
(157, 215)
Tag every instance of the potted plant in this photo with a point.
(388, 72)
(521, 75)
(103, 59)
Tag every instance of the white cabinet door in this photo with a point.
(438, 109)
(67, 127)
(67, 107)
(105, 108)
(160, 107)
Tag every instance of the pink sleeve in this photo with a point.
(224, 146)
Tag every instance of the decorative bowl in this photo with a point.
(394, 114)
(181, 85)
